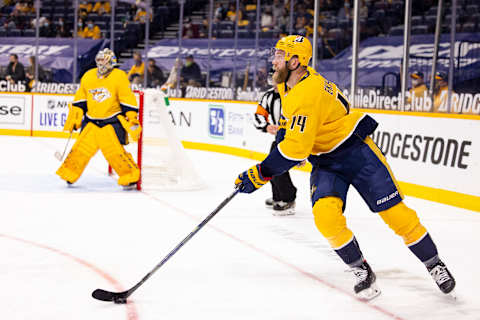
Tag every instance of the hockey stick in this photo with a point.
(121, 297)
(59, 155)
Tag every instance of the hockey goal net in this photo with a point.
(160, 155)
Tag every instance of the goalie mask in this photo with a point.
(106, 61)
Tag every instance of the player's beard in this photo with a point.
(280, 75)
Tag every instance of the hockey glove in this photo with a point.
(250, 180)
(132, 125)
(74, 119)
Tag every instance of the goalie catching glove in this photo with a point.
(132, 125)
(252, 179)
(74, 119)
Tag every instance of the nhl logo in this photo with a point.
(51, 104)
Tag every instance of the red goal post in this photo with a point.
(141, 99)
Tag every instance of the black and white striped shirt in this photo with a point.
(269, 110)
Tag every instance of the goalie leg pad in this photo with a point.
(404, 222)
(331, 222)
(82, 151)
(120, 160)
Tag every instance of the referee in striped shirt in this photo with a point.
(268, 114)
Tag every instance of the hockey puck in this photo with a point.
(120, 300)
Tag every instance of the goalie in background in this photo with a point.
(267, 116)
(105, 109)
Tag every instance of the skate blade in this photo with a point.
(452, 295)
(288, 212)
(370, 293)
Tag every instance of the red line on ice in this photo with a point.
(132, 313)
(282, 261)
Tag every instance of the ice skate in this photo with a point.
(365, 287)
(269, 202)
(131, 186)
(443, 278)
(282, 208)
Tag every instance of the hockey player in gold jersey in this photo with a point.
(318, 125)
(105, 109)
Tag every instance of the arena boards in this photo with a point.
(430, 162)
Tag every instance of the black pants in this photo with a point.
(282, 186)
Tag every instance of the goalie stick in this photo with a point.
(59, 155)
(121, 297)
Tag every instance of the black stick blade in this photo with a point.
(103, 295)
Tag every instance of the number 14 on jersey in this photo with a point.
(300, 121)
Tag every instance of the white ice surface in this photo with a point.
(245, 264)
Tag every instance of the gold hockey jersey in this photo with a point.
(107, 96)
(317, 117)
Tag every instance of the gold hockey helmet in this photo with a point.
(105, 60)
(295, 45)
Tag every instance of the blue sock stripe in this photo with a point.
(350, 253)
(425, 249)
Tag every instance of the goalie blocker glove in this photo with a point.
(252, 179)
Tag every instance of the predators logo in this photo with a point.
(100, 94)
